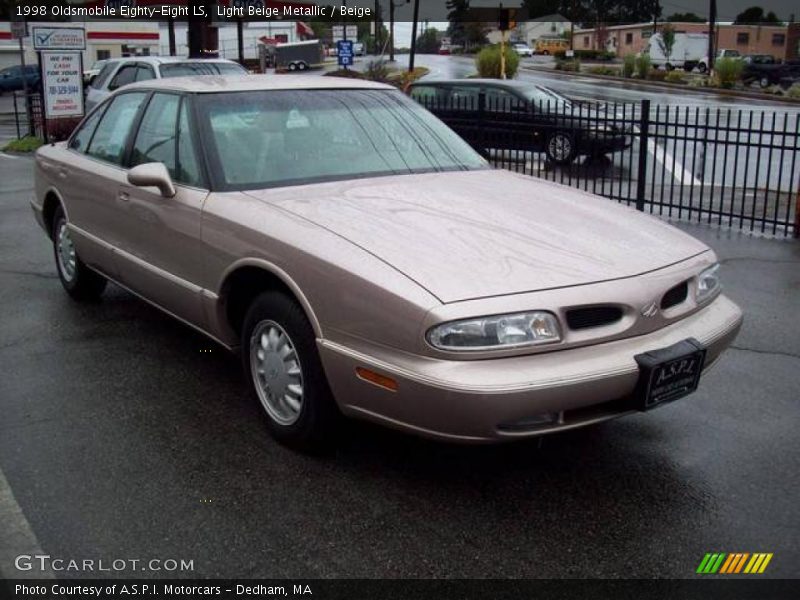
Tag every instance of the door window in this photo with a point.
(145, 73)
(465, 97)
(155, 140)
(498, 100)
(112, 133)
(83, 136)
(188, 170)
(124, 76)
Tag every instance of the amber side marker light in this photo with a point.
(386, 383)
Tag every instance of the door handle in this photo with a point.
(124, 196)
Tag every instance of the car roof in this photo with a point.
(161, 60)
(200, 84)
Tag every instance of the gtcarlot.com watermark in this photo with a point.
(45, 562)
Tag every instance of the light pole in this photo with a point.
(712, 19)
(413, 37)
(391, 29)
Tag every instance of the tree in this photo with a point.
(428, 41)
(755, 16)
(688, 17)
(667, 41)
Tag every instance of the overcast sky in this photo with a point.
(726, 9)
(436, 10)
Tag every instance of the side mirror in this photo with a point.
(152, 175)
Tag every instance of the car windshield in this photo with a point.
(543, 96)
(288, 137)
(185, 69)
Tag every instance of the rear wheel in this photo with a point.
(764, 82)
(79, 280)
(292, 67)
(285, 373)
(702, 67)
(560, 148)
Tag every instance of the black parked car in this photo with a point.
(513, 115)
(767, 71)
(11, 78)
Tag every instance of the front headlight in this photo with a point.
(708, 284)
(500, 332)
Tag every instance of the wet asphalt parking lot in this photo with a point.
(124, 434)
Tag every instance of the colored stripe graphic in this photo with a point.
(728, 564)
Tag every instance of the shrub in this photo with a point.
(488, 62)
(656, 75)
(728, 71)
(674, 77)
(699, 82)
(628, 65)
(794, 91)
(568, 65)
(347, 74)
(377, 70)
(608, 71)
(642, 66)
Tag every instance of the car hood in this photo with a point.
(466, 235)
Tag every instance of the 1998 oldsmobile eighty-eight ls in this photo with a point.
(366, 261)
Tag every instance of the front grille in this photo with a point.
(593, 316)
(675, 296)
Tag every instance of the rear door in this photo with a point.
(160, 250)
(90, 176)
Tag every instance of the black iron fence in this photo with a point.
(734, 168)
(28, 114)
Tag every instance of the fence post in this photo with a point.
(16, 113)
(644, 127)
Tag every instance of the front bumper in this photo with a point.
(486, 400)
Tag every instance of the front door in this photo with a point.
(160, 251)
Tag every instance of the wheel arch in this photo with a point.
(52, 200)
(249, 277)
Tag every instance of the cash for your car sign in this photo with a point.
(62, 84)
(344, 50)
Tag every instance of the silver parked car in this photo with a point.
(116, 73)
(366, 261)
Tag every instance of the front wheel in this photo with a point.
(702, 67)
(285, 373)
(79, 280)
(560, 148)
(765, 83)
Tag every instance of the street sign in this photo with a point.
(344, 49)
(62, 84)
(59, 38)
(338, 32)
(19, 30)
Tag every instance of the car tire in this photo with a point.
(80, 282)
(560, 148)
(669, 67)
(702, 67)
(292, 67)
(545, 53)
(285, 374)
(764, 82)
(301, 66)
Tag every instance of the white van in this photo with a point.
(688, 50)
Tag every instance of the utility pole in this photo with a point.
(712, 26)
(656, 10)
(391, 30)
(413, 37)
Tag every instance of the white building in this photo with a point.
(104, 39)
(548, 26)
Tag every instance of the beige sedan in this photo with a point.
(366, 261)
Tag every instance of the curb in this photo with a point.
(658, 86)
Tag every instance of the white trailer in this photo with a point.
(688, 50)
